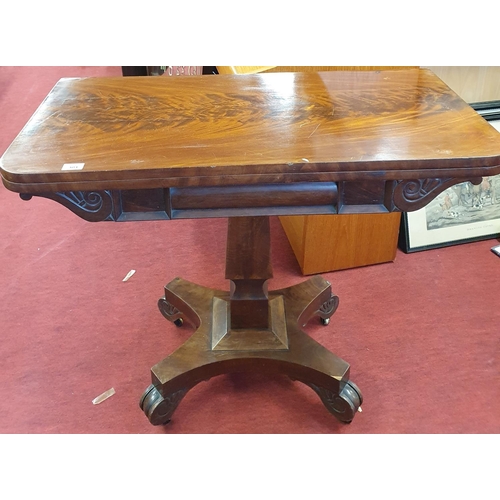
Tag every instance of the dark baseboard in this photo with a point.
(489, 110)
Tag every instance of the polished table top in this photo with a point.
(147, 132)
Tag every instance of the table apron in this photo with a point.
(306, 198)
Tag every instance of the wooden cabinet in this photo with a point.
(323, 243)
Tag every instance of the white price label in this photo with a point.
(73, 166)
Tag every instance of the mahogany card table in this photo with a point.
(247, 148)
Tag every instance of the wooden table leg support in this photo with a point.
(274, 343)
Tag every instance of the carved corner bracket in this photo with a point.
(414, 194)
(93, 206)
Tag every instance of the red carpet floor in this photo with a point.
(421, 334)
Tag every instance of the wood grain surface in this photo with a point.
(322, 243)
(240, 129)
(246, 70)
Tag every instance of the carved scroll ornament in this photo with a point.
(329, 307)
(167, 309)
(94, 206)
(411, 195)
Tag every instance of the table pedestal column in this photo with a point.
(249, 328)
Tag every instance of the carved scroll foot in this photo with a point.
(317, 297)
(170, 312)
(159, 408)
(327, 309)
(344, 404)
(187, 306)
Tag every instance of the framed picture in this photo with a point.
(461, 214)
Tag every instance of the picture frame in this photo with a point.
(463, 213)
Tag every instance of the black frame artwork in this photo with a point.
(463, 213)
